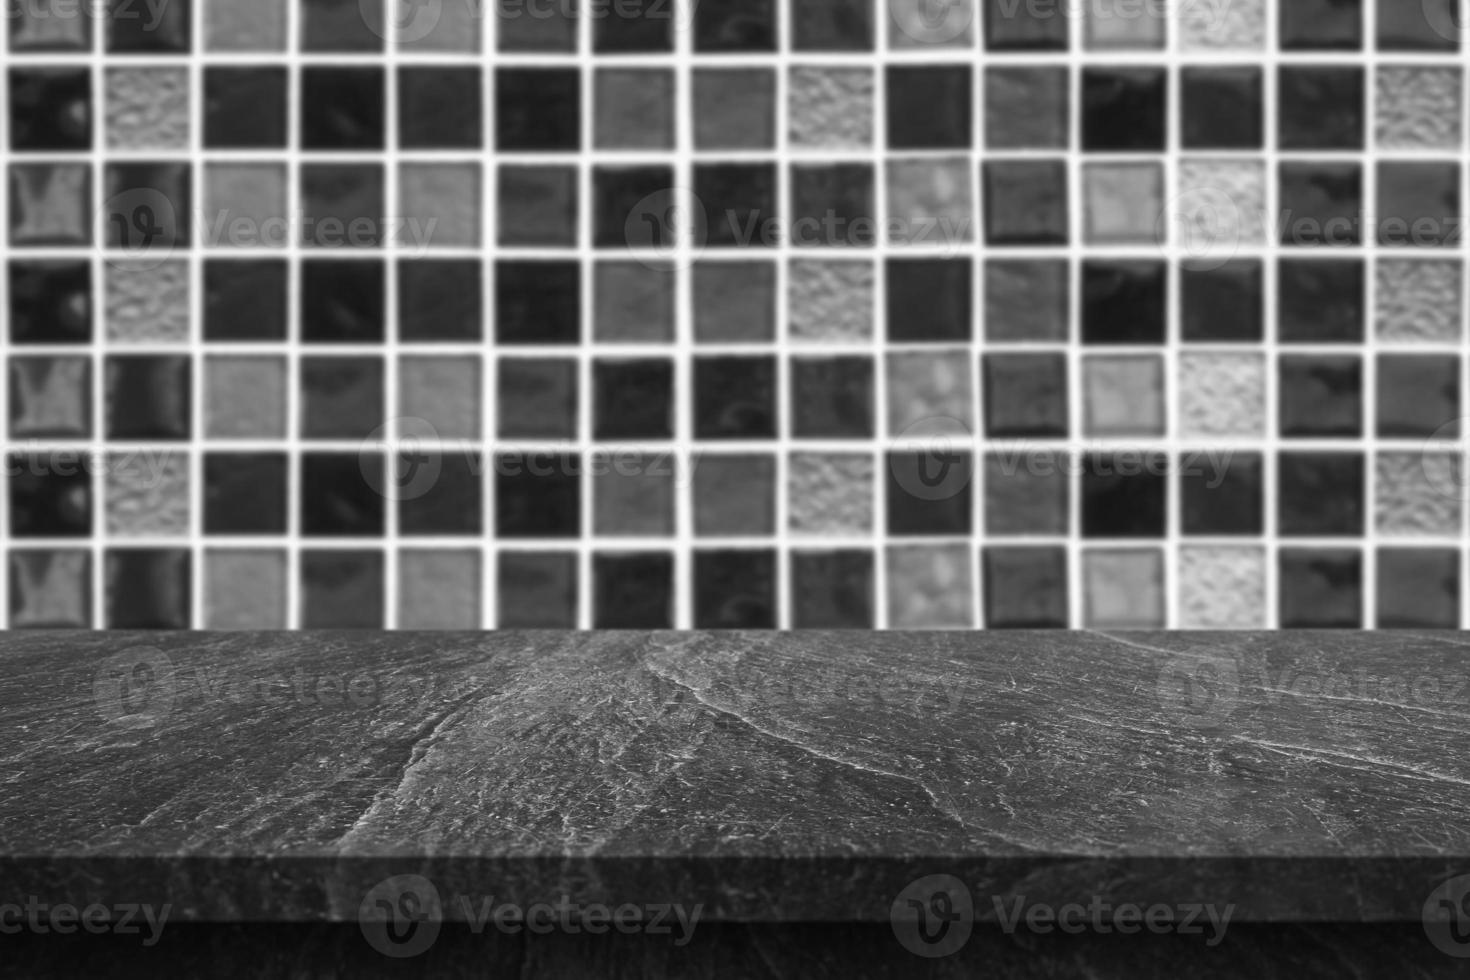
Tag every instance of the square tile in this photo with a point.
(1418, 588)
(915, 24)
(536, 206)
(736, 26)
(162, 30)
(1027, 300)
(929, 386)
(538, 110)
(342, 205)
(930, 300)
(1222, 302)
(1124, 202)
(1027, 108)
(341, 590)
(245, 205)
(1123, 396)
(734, 398)
(245, 397)
(832, 589)
(451, 504)
(1320, 107)
(51, 204)
(1418, 300)
(930, 493)
(1222, 394)
(1123, 301)
(832, 205)
(147, 303)
(734, 495)
(633, 496)
(51, 494)
(1322, 204)
(1237, 26)
(1320, 588)
(341, 495)
(1025, 587)
(740, 204)
(1124, 109)
(1418, 107)
(630, 206)
(147, 108)
(148, 588)
(50, 397)
(336, 26)
(1026, 395)
(1418, 494)
(1320, 494)
(1124, 589)
(734, 109)
(148, 397)
(832, 397)
(830, 299)
(538, 495)
(1122, 25)
(147, 495)
(632, 302)
(1025, 202)
(523, 28)
(537, 398)
(930, 587)
(440, 108)
(1418, 396)
(838, 25)
(633, 399)
(830, 493)
(734, 302)
(343, 108)
(50, 589)
(633, 591)
(440, 205)
(343, 301)
(245, 494)
(439, 590)
(1321, 300)
(1222, 587)
(1222, 108)
(1025, 27)
(1419, 205)
(51, 110)
(245, 107)
(1321, 396)
(633, 109)
(33, 28)
(537, 302)
(634, 27)
(50, 301)
(930, 202)
(1124, 495)
(537, 590)
(1321, 25)
(440, 300)
(929, 107)
(1433, 25)
(245, 25)
(445, 392)
(1221, 494)
(1027, 494)
(735, 590)
(830, 108)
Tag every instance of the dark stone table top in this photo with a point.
(772, 777)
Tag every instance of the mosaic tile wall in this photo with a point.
(734, 313)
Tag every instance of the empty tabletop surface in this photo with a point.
(769, 776)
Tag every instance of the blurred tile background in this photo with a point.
(781, 314)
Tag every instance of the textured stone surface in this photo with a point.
(439, 590)
(1227, 25)
(830, 493)
(830, 108)
(1419, 107)
(923, 387)
(830, 299)
(443, 391)
(1222, 587)
(1227, 197)
(1124, 396)
(931, 587)
(1125, 589)
(1418, 493)
(1419, 300)
(930, 203)
(768, 777)
(245, 397)
(245, 589)
(1124, 202)
(245, 25)
(147, 494)
(147, 302)
(148, 108)
(1222, 395)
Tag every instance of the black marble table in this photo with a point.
(794, 804)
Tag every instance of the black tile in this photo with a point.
(930, 107)
(50, 494)
(162, 28)
(832, 25)
(538, 590)
(633, 27)
(1025, 202)
(1222, 108)
(451, 503)
(1025, 587)
(739, 201)
(343, 300)
(1319, 494)
(537, 398)
(735, 398)
(340, 26)
(633, 399)
(1124, 495)
(734, 301)
(342, 590)
(148, 397)
(440, 300)
(148, 588)
(342, 205)
(539, 206)
(440, 108)
(245, 300)
(1012, 26)
(342, 108)
(1321, 204)
(50, 109)
(1418, 395)
(1321, 300)
(1221, 494)
(1025, 395)
(631, 205)
(1124, 109)
(735, 590)
(1320, 588)
(537, 302)
(930, 299)
(147, 206)
(930, 493)
(1321, 396)
(1320, 107)
(1222, 303)
(1321, 25)
(245, 493)
(538, 109)
(735, 26)
(832, 397)
(633, 591)
(1429, 25)
(538, 495)
(50, 301)
(1123, 302)
(245, 108)
(1418, 204)
(1418, 588)
(341, 397)
(340, 494)
(832, 590)
(833, 205)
